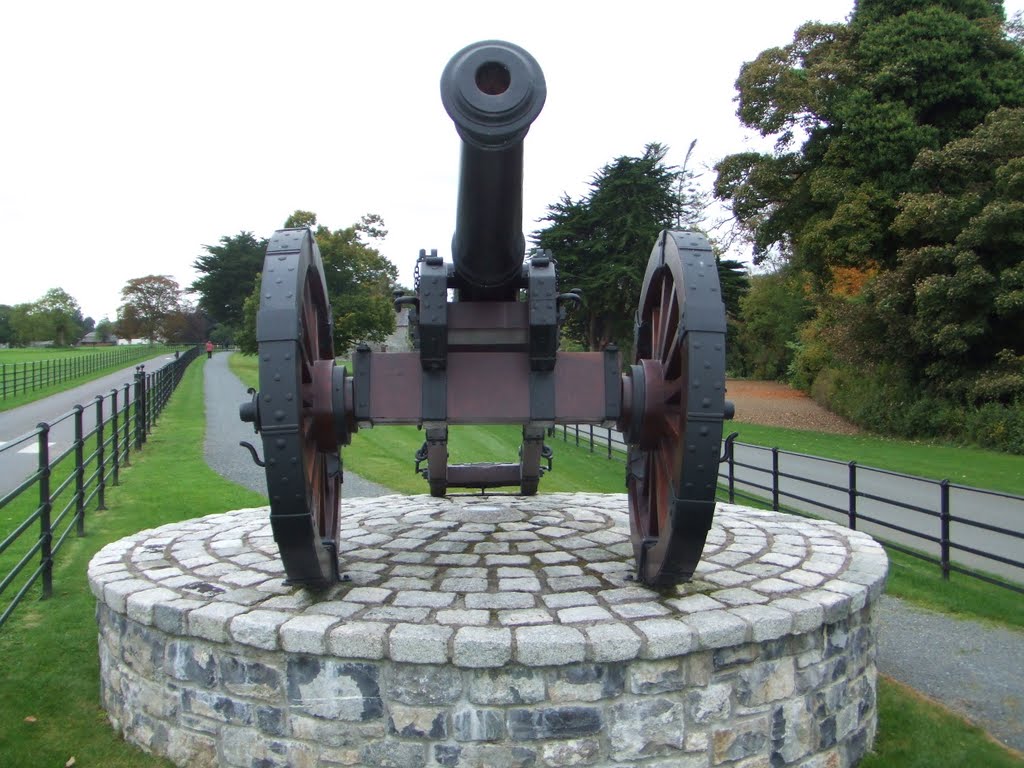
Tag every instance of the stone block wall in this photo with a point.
(749, 670)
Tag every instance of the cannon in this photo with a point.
(487, 351)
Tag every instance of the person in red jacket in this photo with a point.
(209, 350)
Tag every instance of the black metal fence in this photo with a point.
(972, 531)
(32, 375)
(51, 503)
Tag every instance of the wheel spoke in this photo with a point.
(671, 312)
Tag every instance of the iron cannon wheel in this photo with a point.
(296, 368)
(675, 402)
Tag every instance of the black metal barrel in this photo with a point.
(493, 91)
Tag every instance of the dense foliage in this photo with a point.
(602, 242)
(55, 317)
(228, 273)
(154, 308)
(895, 194)
(359, 283)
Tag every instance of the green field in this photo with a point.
(35, 354)
(56, 360)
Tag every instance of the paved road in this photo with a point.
(893, 491)
(19, 444)
(223, 394)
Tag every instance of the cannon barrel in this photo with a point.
(493, 91)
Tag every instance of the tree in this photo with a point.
(186, 325)
(602, 242)
(245, 338)
(865, 98)
(58, 316)
(7, 335)
(734, 280)
(228, 273)
(149, 301)
(23, 324)
(359, 280)
(105, 329)
(770, 315)
(129, 323)
(953, 303)
(300, 218)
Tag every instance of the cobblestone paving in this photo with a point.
(543, 581)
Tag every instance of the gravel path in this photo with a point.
(224, 392)
(974, 669)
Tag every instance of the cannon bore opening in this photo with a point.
(493, 78)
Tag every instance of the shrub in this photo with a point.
(881, 399)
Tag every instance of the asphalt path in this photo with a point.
(895, 500)
(19, 436)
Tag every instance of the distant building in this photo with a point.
(94, 339)
(398, 341)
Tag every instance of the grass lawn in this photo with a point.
(48, 657)
(915, 732)
(22, 355)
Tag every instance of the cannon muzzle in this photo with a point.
(493, 91)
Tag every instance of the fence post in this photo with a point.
(609, 443)
(157, 401)
(775, 479)
(591, 438)
(730, 448)
(149, 400)
(944, 525)
(45, 507)
(140, 414)
(126, 455)
(852, 490)
(79, 473)
(101, 483)
(576, 427)
(115, 436)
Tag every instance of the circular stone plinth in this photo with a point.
(494, 631)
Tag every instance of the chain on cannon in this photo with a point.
(486, 330)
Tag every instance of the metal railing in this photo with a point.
(33, 375)
(603, 439)
(52, 501)
(972, 531)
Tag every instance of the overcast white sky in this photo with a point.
(135, 133)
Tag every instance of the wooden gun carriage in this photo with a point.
(487, 352)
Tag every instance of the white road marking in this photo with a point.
(34, 447)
